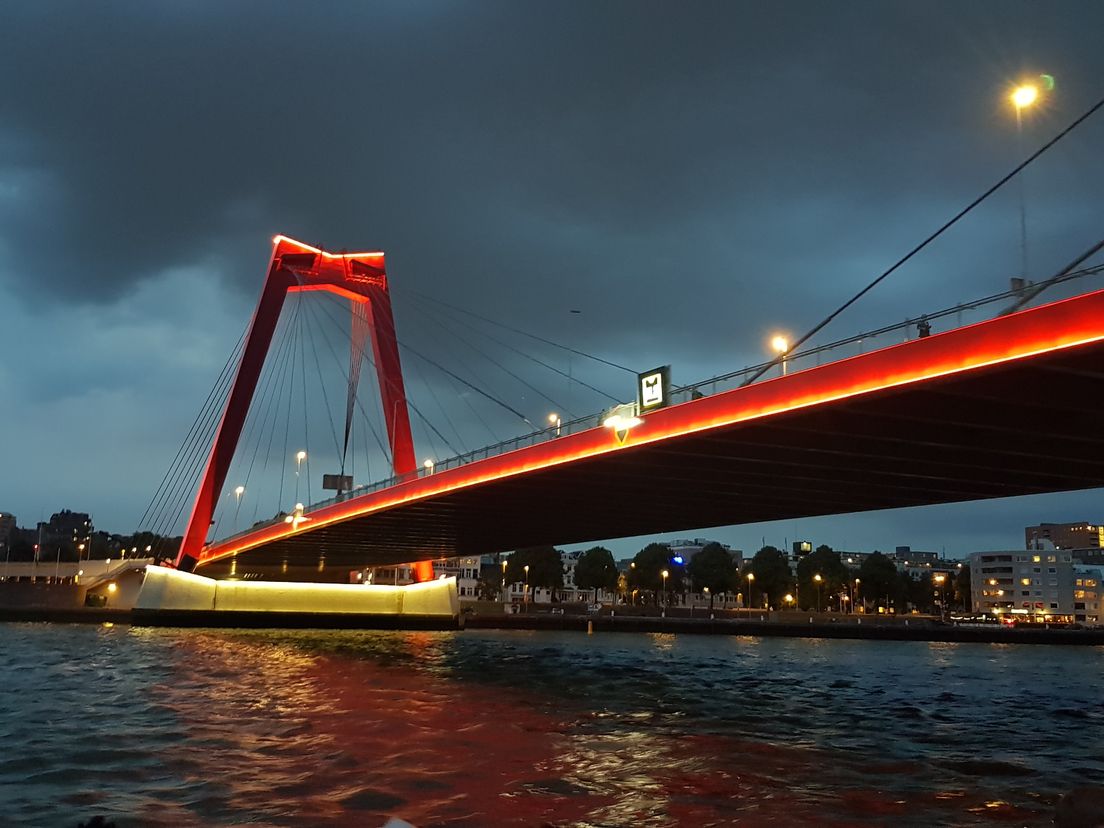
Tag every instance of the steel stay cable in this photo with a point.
(325, 337)
(191, 430)
(275, 403)
(275, 370)
(946, 226)
(497, 364)
(409, 402)
(519, 331)
(187, 471)
(527, 356)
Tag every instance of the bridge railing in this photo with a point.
(1071, 284)
(957, 316)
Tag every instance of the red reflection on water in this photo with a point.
(279, 732)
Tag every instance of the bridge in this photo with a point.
(1002, 407)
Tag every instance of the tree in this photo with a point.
(833, 573)
(596, 570)
(772, 574)
(962, 589)
(545, 567)
(711, 568)
(488, 590)
(878, 579)
(648, 567)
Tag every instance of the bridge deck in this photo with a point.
(1005, 407)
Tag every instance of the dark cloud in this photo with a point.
(722, 169)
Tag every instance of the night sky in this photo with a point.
(692, 177)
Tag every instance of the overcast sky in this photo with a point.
(692, 177)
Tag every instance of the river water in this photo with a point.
(483, 728)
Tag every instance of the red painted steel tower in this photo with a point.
(362, 279)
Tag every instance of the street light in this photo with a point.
(750, 578)
(780, 345)
(940, 579)
(788, 600)
(428, 465)
(300, 456)
(296, 517)
(526, 568)
(664, 573)
(1022, 97)
(818, 580)
(856, 602)
(554, 419)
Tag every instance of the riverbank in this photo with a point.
(830, 627)
(900, 630)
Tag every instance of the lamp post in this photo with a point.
(818, 580)
(238, 492)
(857, 597)
(526, 567)
(664, 575)
(940, 579)
(504, 562)
(750, 579)
(788, 600)
(300, 456)
(1022, 97)
(554, 421)
(428, 465)
(780, 345)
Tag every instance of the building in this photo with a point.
(467, 572)
(1036, 585)
(7, 532)
(1088, 594)
(1080, 535)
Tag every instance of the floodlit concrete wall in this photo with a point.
(169, 589)
(165, 588)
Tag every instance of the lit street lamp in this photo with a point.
(300, 456)
(664, 574)
(504, 562)
(780, 345)
(526, 568)
(857, 598)
(940, 579)
(818, 580)
(1022, 97)
(428, 464)
(750, 578)
(788, 600)
(554, 420)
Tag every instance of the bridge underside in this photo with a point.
(1022, 427)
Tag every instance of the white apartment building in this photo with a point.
(1037, 585)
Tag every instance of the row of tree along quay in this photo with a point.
(659, 581)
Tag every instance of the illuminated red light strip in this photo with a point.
(1057, 326)
(373, 254)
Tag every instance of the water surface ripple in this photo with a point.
(296, 728)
